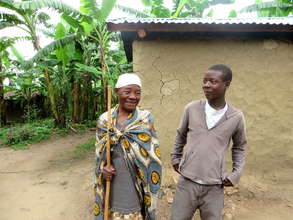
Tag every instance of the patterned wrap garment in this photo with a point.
(141, 152)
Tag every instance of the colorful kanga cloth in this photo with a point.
(141, 152)
(132, 216)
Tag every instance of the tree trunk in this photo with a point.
(52, 96)
(92, 104)
(2, 101)
(61, 108)
(86, 94)
(51, 93)
(36, 42)
(76, 101)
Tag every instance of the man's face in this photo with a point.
(213, 85)
(129, 97)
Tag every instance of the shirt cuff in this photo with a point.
(175, 161)
(234, 178)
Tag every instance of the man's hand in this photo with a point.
(227, 182)
(108, 172)
(176, 167)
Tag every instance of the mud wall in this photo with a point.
(262, 87)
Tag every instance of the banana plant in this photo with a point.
(181, 8)
(27, 19)
(26, 16)
(23, 18)
(4, 63)
(276, 8)
(97, 31)
(89, 24)
(63, 74)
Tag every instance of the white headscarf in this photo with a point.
(128, 79)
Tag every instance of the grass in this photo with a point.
(19, 136)
(89, 145)
(40, 182)
(64, 183)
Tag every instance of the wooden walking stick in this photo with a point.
(108, 156)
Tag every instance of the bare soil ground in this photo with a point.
(50, 182)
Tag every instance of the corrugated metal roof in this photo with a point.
(260, 21)
(152, 28)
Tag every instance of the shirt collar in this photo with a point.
(213, 111)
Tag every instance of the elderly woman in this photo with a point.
(135, 171)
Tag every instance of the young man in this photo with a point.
(205, 131)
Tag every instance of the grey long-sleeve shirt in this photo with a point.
(124, 197)
(203, 157)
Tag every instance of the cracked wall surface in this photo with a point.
(262, 87)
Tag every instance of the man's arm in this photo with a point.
(238, 151)
(180, 140)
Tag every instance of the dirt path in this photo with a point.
(46, 182)
(49, 182)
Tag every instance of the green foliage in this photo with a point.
(106, 8)
(81, 128)
(275, 8)
(89, 145)
(46, 51)
(21, 135)
(89, 7)
(63, 183)
(79, 64)
(15, 52)
(90, 123)
(147, 2)
(62, 132)
(31, 113)
(90, 69)
(59, 6)
(65, 52)
(132, 11)
(195, 8)
(233, 14)
(179, 8)
(215, 2)
(210, 13)
(9, 20)
(159, 10)
(40, 182)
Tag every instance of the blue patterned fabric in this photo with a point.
(141, 150)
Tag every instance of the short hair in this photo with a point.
(227, 72)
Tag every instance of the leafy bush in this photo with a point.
(62, 132)
(90, 123)
(20, 135)
(25, 134)
(31, 113)
(79, 127)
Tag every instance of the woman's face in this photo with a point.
(129, 97)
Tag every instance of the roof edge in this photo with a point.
(202, 24)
